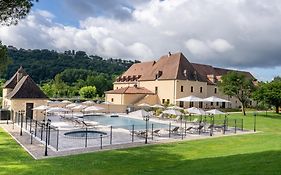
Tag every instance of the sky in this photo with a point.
(235, 34)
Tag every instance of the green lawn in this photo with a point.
(258, 153)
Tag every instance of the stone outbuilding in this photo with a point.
(21, 93)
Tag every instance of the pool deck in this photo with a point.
(37, 149)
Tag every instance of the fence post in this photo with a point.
(25, 122)
(30, 127)
(21, 123)
(224, 123)
(42, 128)
(255, 121)
(242, 125)
(101, 141)
(46, 141)
(185, 128)
(86, 138)
(212, 128)
(235, 126)
(111, 135)
(35, 128)
(58, 139)
(170, 130)
(31, 137)
(49, 134)
(133, 132)
(152, 131)
(19, 118)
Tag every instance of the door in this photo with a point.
(29, 111)
(200, 104)
(223, 105)
(181, 104)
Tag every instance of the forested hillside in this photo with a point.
(64, 74)
(45, 64)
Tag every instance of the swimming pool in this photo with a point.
(82, 134)
(125, 122)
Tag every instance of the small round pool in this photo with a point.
(82, 134)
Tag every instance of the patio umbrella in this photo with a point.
(93, 108)
(79, 107)
(190, 99)
(195, 110)
(172, 112)
(57, 109)
(41, 108)
(215, 99)
(88, 103)
(144, 105)
(53, 102)
(66, 102)
(71, 105)
(106, 103)
(214, 111)
(140, 113)
(158, 106)
(175, 107)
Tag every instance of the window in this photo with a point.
(212, 103)
(191, 104)
(217, 103)
(201, 89)
(156, 90)
(181, 104)
(163, 101)
(215, 90)
(168, 101)
(191, 89)
(200, 104)
(181, 88)
(112, 99)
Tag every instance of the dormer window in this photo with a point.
(185, 72)
(159, 73)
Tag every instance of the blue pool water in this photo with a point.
(125, 122)
(82, 134)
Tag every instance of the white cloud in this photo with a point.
(232, 34)
(197, 47)
(220, 45)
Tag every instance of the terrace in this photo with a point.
(67, 134)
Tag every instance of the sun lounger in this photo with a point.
(189, 129)
(87, 124)
(175, 130)
(156, 132)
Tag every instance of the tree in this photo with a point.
(88, 91)
(1, 85)
(237, 85)
(5, 60)
(11, 11)
(48, 89)
(269, 93)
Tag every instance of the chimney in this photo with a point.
(169, 54)
(19, 74)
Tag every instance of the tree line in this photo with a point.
(64, 74)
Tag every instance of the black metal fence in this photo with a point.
(82, 135)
